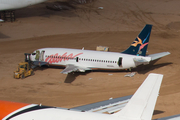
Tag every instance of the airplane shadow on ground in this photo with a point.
(69, 78)
(40, 68)
(143, 69)
(3, 36)
(157, 112)
(72, 76)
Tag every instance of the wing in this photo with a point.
(174, 117)
(158, 55)
(72, 68)
(107, 106)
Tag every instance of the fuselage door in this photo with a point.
(42, 55)
(120, 61)
(77, 59)
(37, 55)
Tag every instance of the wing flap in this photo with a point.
(111, 108)
(107, 106)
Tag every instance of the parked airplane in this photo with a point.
(10, 5)
(16, 4)
(139, 107)
(76, 60)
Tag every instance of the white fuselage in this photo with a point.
(16, 4)
(59, 114)
(87, 58)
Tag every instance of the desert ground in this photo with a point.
(115, 26)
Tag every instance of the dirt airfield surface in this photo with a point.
(115, 26)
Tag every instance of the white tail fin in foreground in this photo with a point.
(141, 105)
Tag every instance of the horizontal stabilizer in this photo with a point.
(158, 55)
(142, 103)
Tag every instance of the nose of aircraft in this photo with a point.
(7, 107)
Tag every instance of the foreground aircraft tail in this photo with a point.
(142, 103)
(140, 44)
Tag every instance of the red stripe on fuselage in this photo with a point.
(58, 58)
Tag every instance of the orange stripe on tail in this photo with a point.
(7, 107)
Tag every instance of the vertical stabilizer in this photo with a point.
(141, 105)
(140, 44)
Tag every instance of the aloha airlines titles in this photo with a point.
(58, 58)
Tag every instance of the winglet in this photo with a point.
(141, 105)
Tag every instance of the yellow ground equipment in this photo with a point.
(24, 68)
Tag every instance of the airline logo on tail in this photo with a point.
(58, 58)
(142, 43)
(135, 43)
